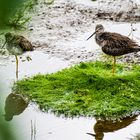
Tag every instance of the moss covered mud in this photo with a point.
(88, 89)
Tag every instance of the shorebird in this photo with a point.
(114, 44)
(17, 45)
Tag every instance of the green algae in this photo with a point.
(88, 89)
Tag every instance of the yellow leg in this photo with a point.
(16, 66)
(114, 63)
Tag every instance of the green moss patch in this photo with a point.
(88, 89)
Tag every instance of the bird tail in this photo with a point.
(138, 48)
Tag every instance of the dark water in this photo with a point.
(29, 123)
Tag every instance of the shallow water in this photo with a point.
(32, 124)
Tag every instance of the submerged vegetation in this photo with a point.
(88, 89)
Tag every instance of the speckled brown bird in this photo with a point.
(17, 45)
(114, 44)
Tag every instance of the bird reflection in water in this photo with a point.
(105, 126)
(15, 104)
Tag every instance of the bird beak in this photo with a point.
(91, 35)
(4, 44)
(91, 134)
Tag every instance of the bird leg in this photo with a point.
(16, 66)
(29, 58)
(114, 63)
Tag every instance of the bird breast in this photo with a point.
(14, 49)
(100, 41)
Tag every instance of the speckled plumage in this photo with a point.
(114, 44)
(17, 44)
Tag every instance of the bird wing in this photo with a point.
(118, 41)
(24, 43)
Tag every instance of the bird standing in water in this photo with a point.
(114, 44)
(17, 45)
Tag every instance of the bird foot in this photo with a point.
(29, 58)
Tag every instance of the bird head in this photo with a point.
(8, 36)
(98, 29)
(8, 117)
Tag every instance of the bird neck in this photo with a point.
(9, 40)
(99, 32)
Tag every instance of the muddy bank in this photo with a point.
(61, 29)
(118, 10)
(67, 20)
